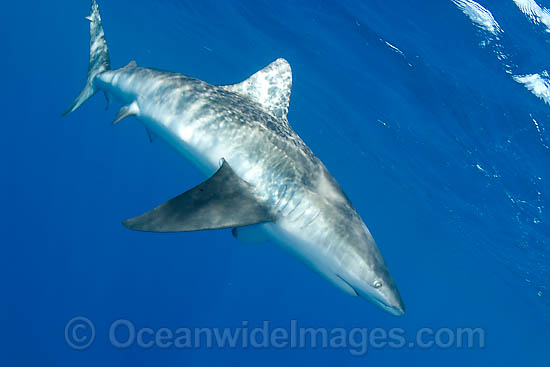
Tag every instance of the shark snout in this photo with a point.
(391, 302)
(383, 293)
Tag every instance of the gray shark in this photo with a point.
(264, 182)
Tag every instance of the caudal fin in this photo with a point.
(99, 57)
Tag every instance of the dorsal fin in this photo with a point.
(270, 87)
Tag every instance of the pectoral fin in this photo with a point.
(222, 201)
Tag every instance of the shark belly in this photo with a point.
(302, 243)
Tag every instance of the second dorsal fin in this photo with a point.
(131, 64)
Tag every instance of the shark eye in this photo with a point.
(377, 284)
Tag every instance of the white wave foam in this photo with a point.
(534, 12)
(539, 85)
(480, 16)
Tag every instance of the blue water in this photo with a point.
(432, 115)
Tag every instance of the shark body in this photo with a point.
(265, 182)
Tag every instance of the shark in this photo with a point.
(263, 182)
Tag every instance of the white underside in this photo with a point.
(285, 235)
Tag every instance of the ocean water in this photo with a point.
(434, 117)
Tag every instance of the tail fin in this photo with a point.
(99, 57)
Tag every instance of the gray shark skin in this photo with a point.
(265, 182)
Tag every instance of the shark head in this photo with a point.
(383, 292)
(377, 286)
(360, 269)
(364, 273)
